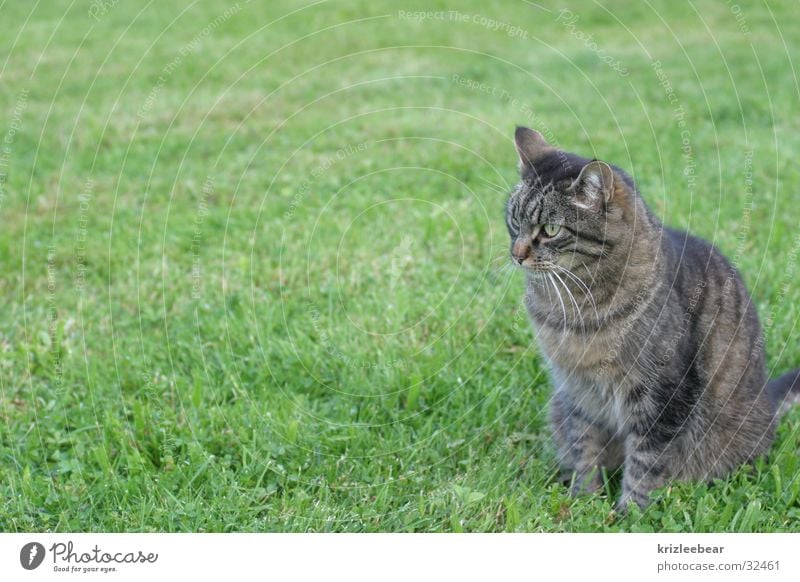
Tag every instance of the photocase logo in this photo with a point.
(31, 555)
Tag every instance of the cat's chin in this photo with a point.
(539, 269)
(538, 275)
(534, 267)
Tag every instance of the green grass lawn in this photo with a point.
(254, 263)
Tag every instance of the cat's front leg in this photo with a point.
(580, 442)
(645, 469)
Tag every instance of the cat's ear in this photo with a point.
(530, 145)
(596, 183)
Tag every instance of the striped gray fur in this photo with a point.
(654, 346)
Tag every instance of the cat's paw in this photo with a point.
(586, 483)
(641, 499)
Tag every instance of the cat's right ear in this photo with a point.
(595, 184)
(530, 145)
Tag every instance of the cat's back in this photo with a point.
(711, 300)
(704, 276)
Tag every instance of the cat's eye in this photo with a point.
(551, 230)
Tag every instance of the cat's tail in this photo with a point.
(784, 391)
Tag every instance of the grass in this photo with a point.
(252, 260)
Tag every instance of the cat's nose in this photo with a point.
(520, 250)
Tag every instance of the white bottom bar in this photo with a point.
(379, 557)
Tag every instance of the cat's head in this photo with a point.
(567, 211)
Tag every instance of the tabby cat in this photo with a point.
(654, 345)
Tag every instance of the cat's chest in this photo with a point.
(596, 375)
(604, 403)
(608, 356)
(595, 354)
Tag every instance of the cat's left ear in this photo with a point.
(530, 145)
(596, 183)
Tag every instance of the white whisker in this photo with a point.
(585, 288)
(572, 298)
(558, 294)
(549, 297)
(496, 187)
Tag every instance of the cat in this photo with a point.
(654, 346)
